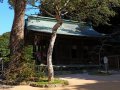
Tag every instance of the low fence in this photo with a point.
(43, 68)
(114, 61)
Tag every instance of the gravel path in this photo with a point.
(79, 82)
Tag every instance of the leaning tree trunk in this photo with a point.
(17, 35)
(50, 50)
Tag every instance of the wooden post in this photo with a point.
(105, 59)
(35, 47)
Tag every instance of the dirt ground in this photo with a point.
(79, 82)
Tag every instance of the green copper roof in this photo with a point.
(69, 27)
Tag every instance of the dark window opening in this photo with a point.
(74, 52)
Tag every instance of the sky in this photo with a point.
(7, 16)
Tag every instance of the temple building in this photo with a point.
(77, 43)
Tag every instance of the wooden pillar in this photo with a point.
(42, 51)
(45, 52)
(39, 47)
(35, 49)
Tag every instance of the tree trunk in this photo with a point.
(17, 34)
(50, 50)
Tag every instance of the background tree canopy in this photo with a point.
(5, 52)
(97, 11)
(4, 46)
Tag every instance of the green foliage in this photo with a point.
(56, 81)
(40, 71)
(4, 46)
(20, 71)
(28, 54)
(11, 3)
(23, 73)
(26, 72)
(97, 11)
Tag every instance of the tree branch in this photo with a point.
(31, 8)
(46, 12)
(65, 4)
(64, 13)
(39, 7)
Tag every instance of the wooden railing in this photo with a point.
(40, 68)
(116, 59)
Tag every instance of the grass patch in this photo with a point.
(44, 83)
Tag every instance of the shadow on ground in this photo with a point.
(81, 82)
(96, 86)
(92, 82)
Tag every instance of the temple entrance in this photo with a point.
(40, 46)
(66, 51)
